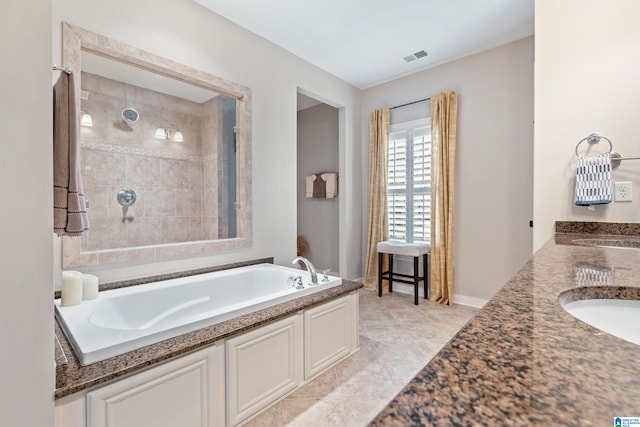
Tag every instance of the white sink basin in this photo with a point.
(613, 316)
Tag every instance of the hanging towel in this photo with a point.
(309, 185)
(593, 180)
(69, 209)
(319, 187)
(331, 180)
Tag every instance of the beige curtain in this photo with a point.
(379, 124)
(444, 108)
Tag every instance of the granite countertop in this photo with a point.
(71, 377)
(523, 360)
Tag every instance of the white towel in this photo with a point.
(593, 180)
(309, 185)
(332, 184)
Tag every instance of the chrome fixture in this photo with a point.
(310, 268)
(66, 70)
(616, 158)
(593, 138)
(126, 197)
(325, 276)
(295, 281)
(166, 133)
(130, 115)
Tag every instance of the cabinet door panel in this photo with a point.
(175, 394)
(262, 366)
(327, 335)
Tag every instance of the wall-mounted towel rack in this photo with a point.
(593, 138)
(63, 69)
(616, 158)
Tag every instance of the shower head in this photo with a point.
(130, 115)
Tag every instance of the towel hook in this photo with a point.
(66, 70)
(594, 138)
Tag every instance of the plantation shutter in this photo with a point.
(409, 182)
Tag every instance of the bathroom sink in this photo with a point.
(608, 243)
(617, 317)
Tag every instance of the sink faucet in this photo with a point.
(310, 267)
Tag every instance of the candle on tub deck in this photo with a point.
(71, 293)
(89, 286)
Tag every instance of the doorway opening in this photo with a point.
(318, 205)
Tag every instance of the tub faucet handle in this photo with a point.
(295, 281)
(325, 276)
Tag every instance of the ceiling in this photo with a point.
(364, 41)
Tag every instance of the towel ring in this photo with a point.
(594, 138)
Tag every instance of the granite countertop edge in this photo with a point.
(71, 377)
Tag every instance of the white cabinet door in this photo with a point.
(262, 366)
(185, 392)
(330, 334)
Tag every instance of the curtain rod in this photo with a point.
(410, 103)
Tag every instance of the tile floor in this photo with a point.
(397, 339)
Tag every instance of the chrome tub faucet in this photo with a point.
(310, 268)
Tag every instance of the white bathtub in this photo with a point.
(125, 319)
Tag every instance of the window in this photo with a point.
(409, 181)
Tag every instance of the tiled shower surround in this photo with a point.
(75, 253)
(176, 182)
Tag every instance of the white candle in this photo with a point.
(89, 286)
(71, 293)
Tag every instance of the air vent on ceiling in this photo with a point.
(414, 56)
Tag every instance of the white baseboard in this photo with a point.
(457, 298)
(469, 301)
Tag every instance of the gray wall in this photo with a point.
(318, 152)
(494, 167)
(26, 224)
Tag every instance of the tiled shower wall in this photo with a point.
(175, 182)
